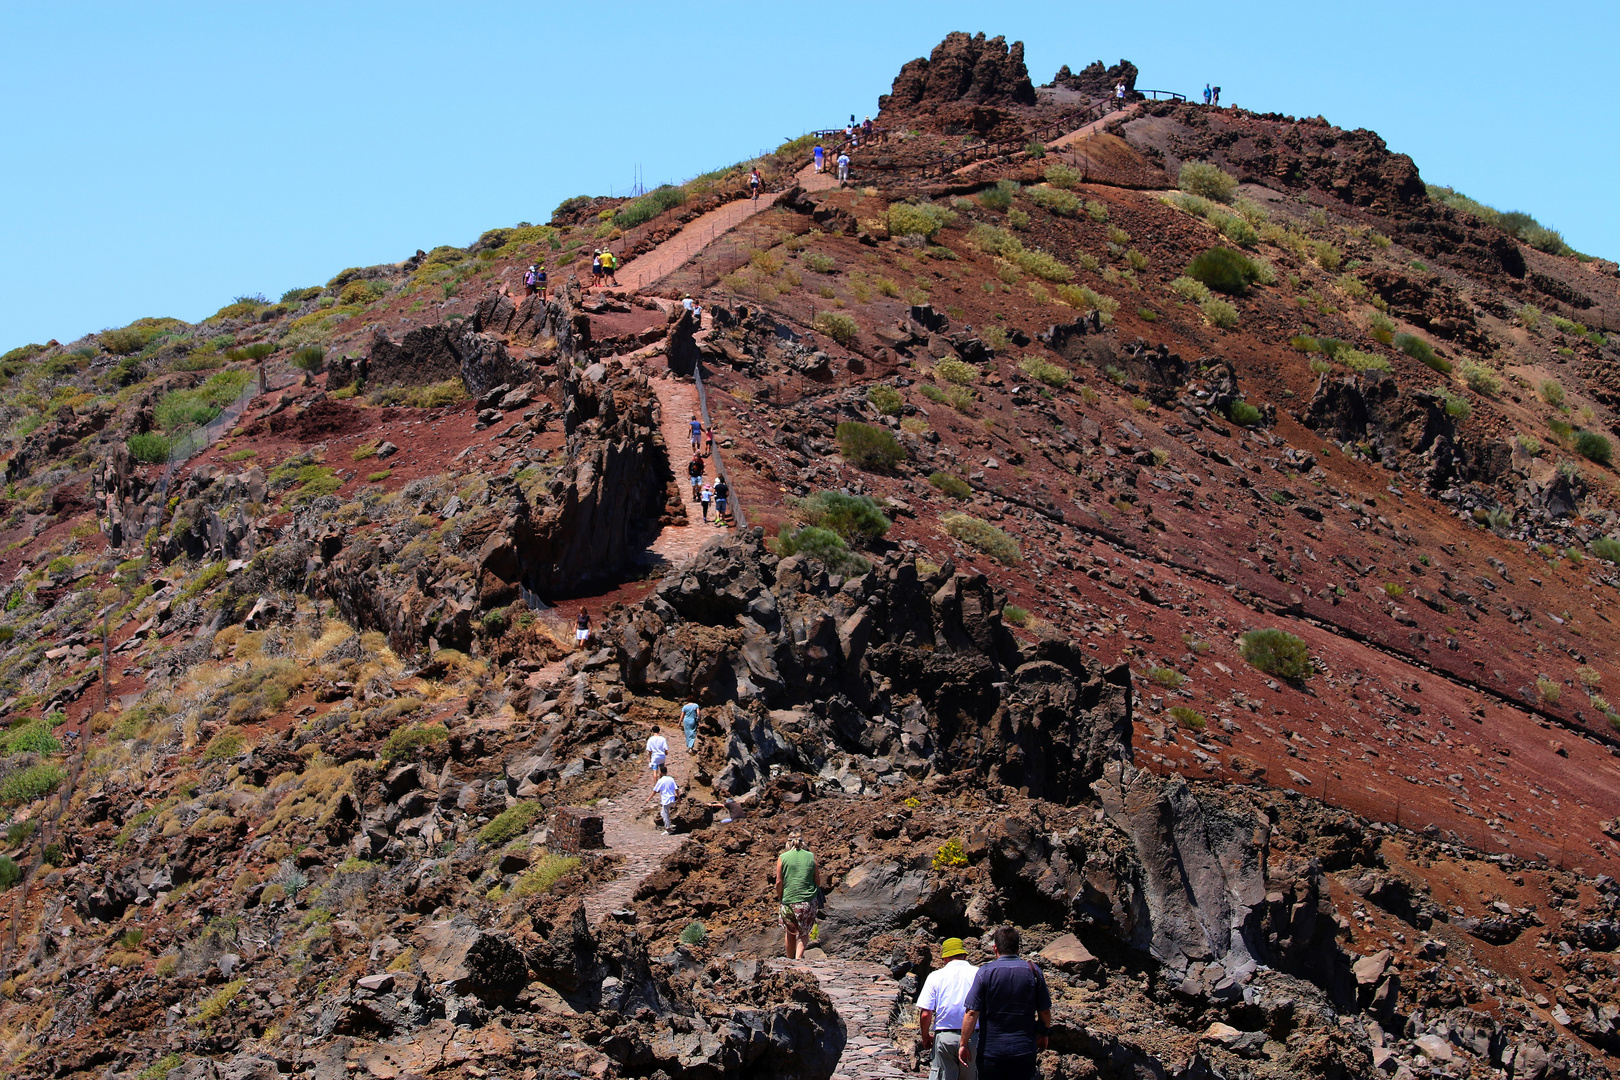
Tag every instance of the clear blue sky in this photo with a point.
(161, 158)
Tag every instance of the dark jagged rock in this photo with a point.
(1096, 80)
(963, 68)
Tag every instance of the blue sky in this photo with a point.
(161, 158)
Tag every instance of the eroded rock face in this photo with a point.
(889, 665)
(1097, 80)
(963, 68)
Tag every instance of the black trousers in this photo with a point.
(1021, 1067)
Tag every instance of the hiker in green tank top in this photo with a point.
(798, 886)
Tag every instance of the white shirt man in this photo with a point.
(940, 1011)
(657, 750)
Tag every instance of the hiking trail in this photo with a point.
(865, 997)
(628, 829)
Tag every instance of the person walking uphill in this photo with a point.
(694, 472)
(657, 750)
(1011, 1009)
(798, 883)
(843, 168)
(689, 723)
(667, 793)
(939, 1012)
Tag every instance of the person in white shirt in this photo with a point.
(939, 1012)
(657, 750)
(667, 793)
(843, 168)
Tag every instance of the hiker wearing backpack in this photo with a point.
(1217, 98)
(694, 472)
(722, 499)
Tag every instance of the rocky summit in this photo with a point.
(1180, 533)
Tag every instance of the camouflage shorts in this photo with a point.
(799, 918)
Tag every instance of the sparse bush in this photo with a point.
(150, 446)
(1082, 298)
(1191, 719)
(1043, 265)
(1014, 614)
(1097, 211)
(31, 783)
(819, 262)
(1169, 678)
(823, 545)
(542, 876)
(1000, 196)
(957, 371)
(885, 399)
(1456, 407)
(1530, 315)
(1394, 590)
(10, 872)
(1017, 218)
(1552, 392)
(1421, 351)
(509, 824)
(1356, 360)
(849, 516)
(1224, 270)
(227, 744)
(1606, 548)
(649, 206)
(1056, 201)
(310, 358)
(1219, 313)
(408, 743)
(918, 219)
(953, 486)
(694, 934)
(1277, 652)
(1550, 691)
(32, 738)
(1062, 176)
(1043, 371)
(214, 1007)
(1480, 379)
(1593, 447)
(869, 447)
(1243, 414)
(838, 326)
(1382, 327)
(1236, 229)
(1588, 676)
(1207, 180)
(1190, 289)
(985, 537)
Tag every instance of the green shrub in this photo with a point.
(950, 854)
(10, 872)
(1561, 428)
(999, 197)
(149, 446)
(227, 744)
(214, 1007)
(1277, 652)
(819, 262)
(1014, 614)
(1043, 371)
(957, 371)
(1456, 407)
(869, 447)
(408, 742)
(1190, 289)
(1169, 678)
(1605, 548)
(1552, 392)
(649, 206)
(1196, 205)
(1532, 445)
(1043, 265)
(310, 358)
(918, 219)
(823, 545)
(953, 486)
(1082, 298)
(1056, 201)
(1207, 180)
(361, 292)
(694, 934)
(1421, 351)
(1096, 211)
(1383, 328)
(1356, 360)
(1593, 447)
(1219, 313)
(838, 326)
(34, 782)
(1243, 414)
(1394, 590)
(509, 824)
(985, 537)
(1191, 719)
(1225, 270)
(885, 399)
(299, 296)
(847, 515)
(1480, 379)
(1236, 229)
(32, 738)
(1060, 175)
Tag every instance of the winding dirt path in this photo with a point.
(628, 829)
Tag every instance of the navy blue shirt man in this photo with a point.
(1011, 1008)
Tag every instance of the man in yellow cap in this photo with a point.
(939, 1014)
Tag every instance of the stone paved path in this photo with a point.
(677, 397)
(866, 998)
(628, 829)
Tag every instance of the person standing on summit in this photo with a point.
(1119, 96)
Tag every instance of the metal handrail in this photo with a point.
(1169, 95)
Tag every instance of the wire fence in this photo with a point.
(196, 440)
